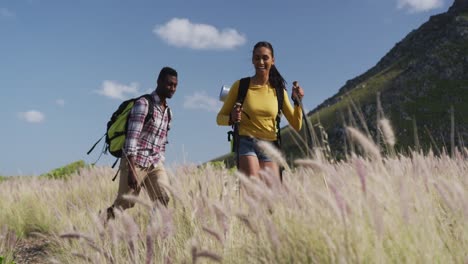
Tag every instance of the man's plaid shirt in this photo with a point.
(147, 142)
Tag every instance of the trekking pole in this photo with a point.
(236, 136)
(309, 135)
(236, 142)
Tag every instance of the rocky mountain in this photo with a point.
(421, 81)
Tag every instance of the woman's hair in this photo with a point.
(275, 78)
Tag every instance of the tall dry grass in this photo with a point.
(372, 209)
(401, 210)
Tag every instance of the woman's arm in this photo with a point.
(292, 114)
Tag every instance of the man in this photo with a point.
(145, 144)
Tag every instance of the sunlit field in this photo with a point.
(367, 209)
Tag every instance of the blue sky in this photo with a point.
(65, 66)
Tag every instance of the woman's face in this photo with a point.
(262, 60)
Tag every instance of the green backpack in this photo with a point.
(117, 127)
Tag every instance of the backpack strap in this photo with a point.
(151, 104)
(169, 118)
(241, 94)
(243, 88)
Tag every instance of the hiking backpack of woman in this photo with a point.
(256, 116)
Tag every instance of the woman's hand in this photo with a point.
(297, 93)
(235, 116)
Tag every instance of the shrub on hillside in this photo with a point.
(3, 260)
(65, 171)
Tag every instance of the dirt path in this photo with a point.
(32, 250)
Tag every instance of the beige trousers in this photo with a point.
(149, 178)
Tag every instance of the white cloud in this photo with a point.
(32, 116)
(203, 102)
(6, 13)
(420, 5)
(180, 32)
(60, 102)
(115, 90)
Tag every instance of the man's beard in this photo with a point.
(165, 93)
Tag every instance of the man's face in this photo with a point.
(167, 86)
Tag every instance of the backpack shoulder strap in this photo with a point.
(243, 88)
(169, 114)
(151, 103)
(169, 118)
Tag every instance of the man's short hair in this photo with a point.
(166, 71)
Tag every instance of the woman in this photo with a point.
(256, 117)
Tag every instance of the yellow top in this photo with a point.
(260, 108)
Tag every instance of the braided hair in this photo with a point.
(274, 77)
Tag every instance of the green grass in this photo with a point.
(432, 111)
(4, 260)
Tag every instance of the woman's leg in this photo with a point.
(249, 165)
(271, 167)
(248, 161)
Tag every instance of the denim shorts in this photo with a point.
(248, 147)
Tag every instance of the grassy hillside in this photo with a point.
(66, 170)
